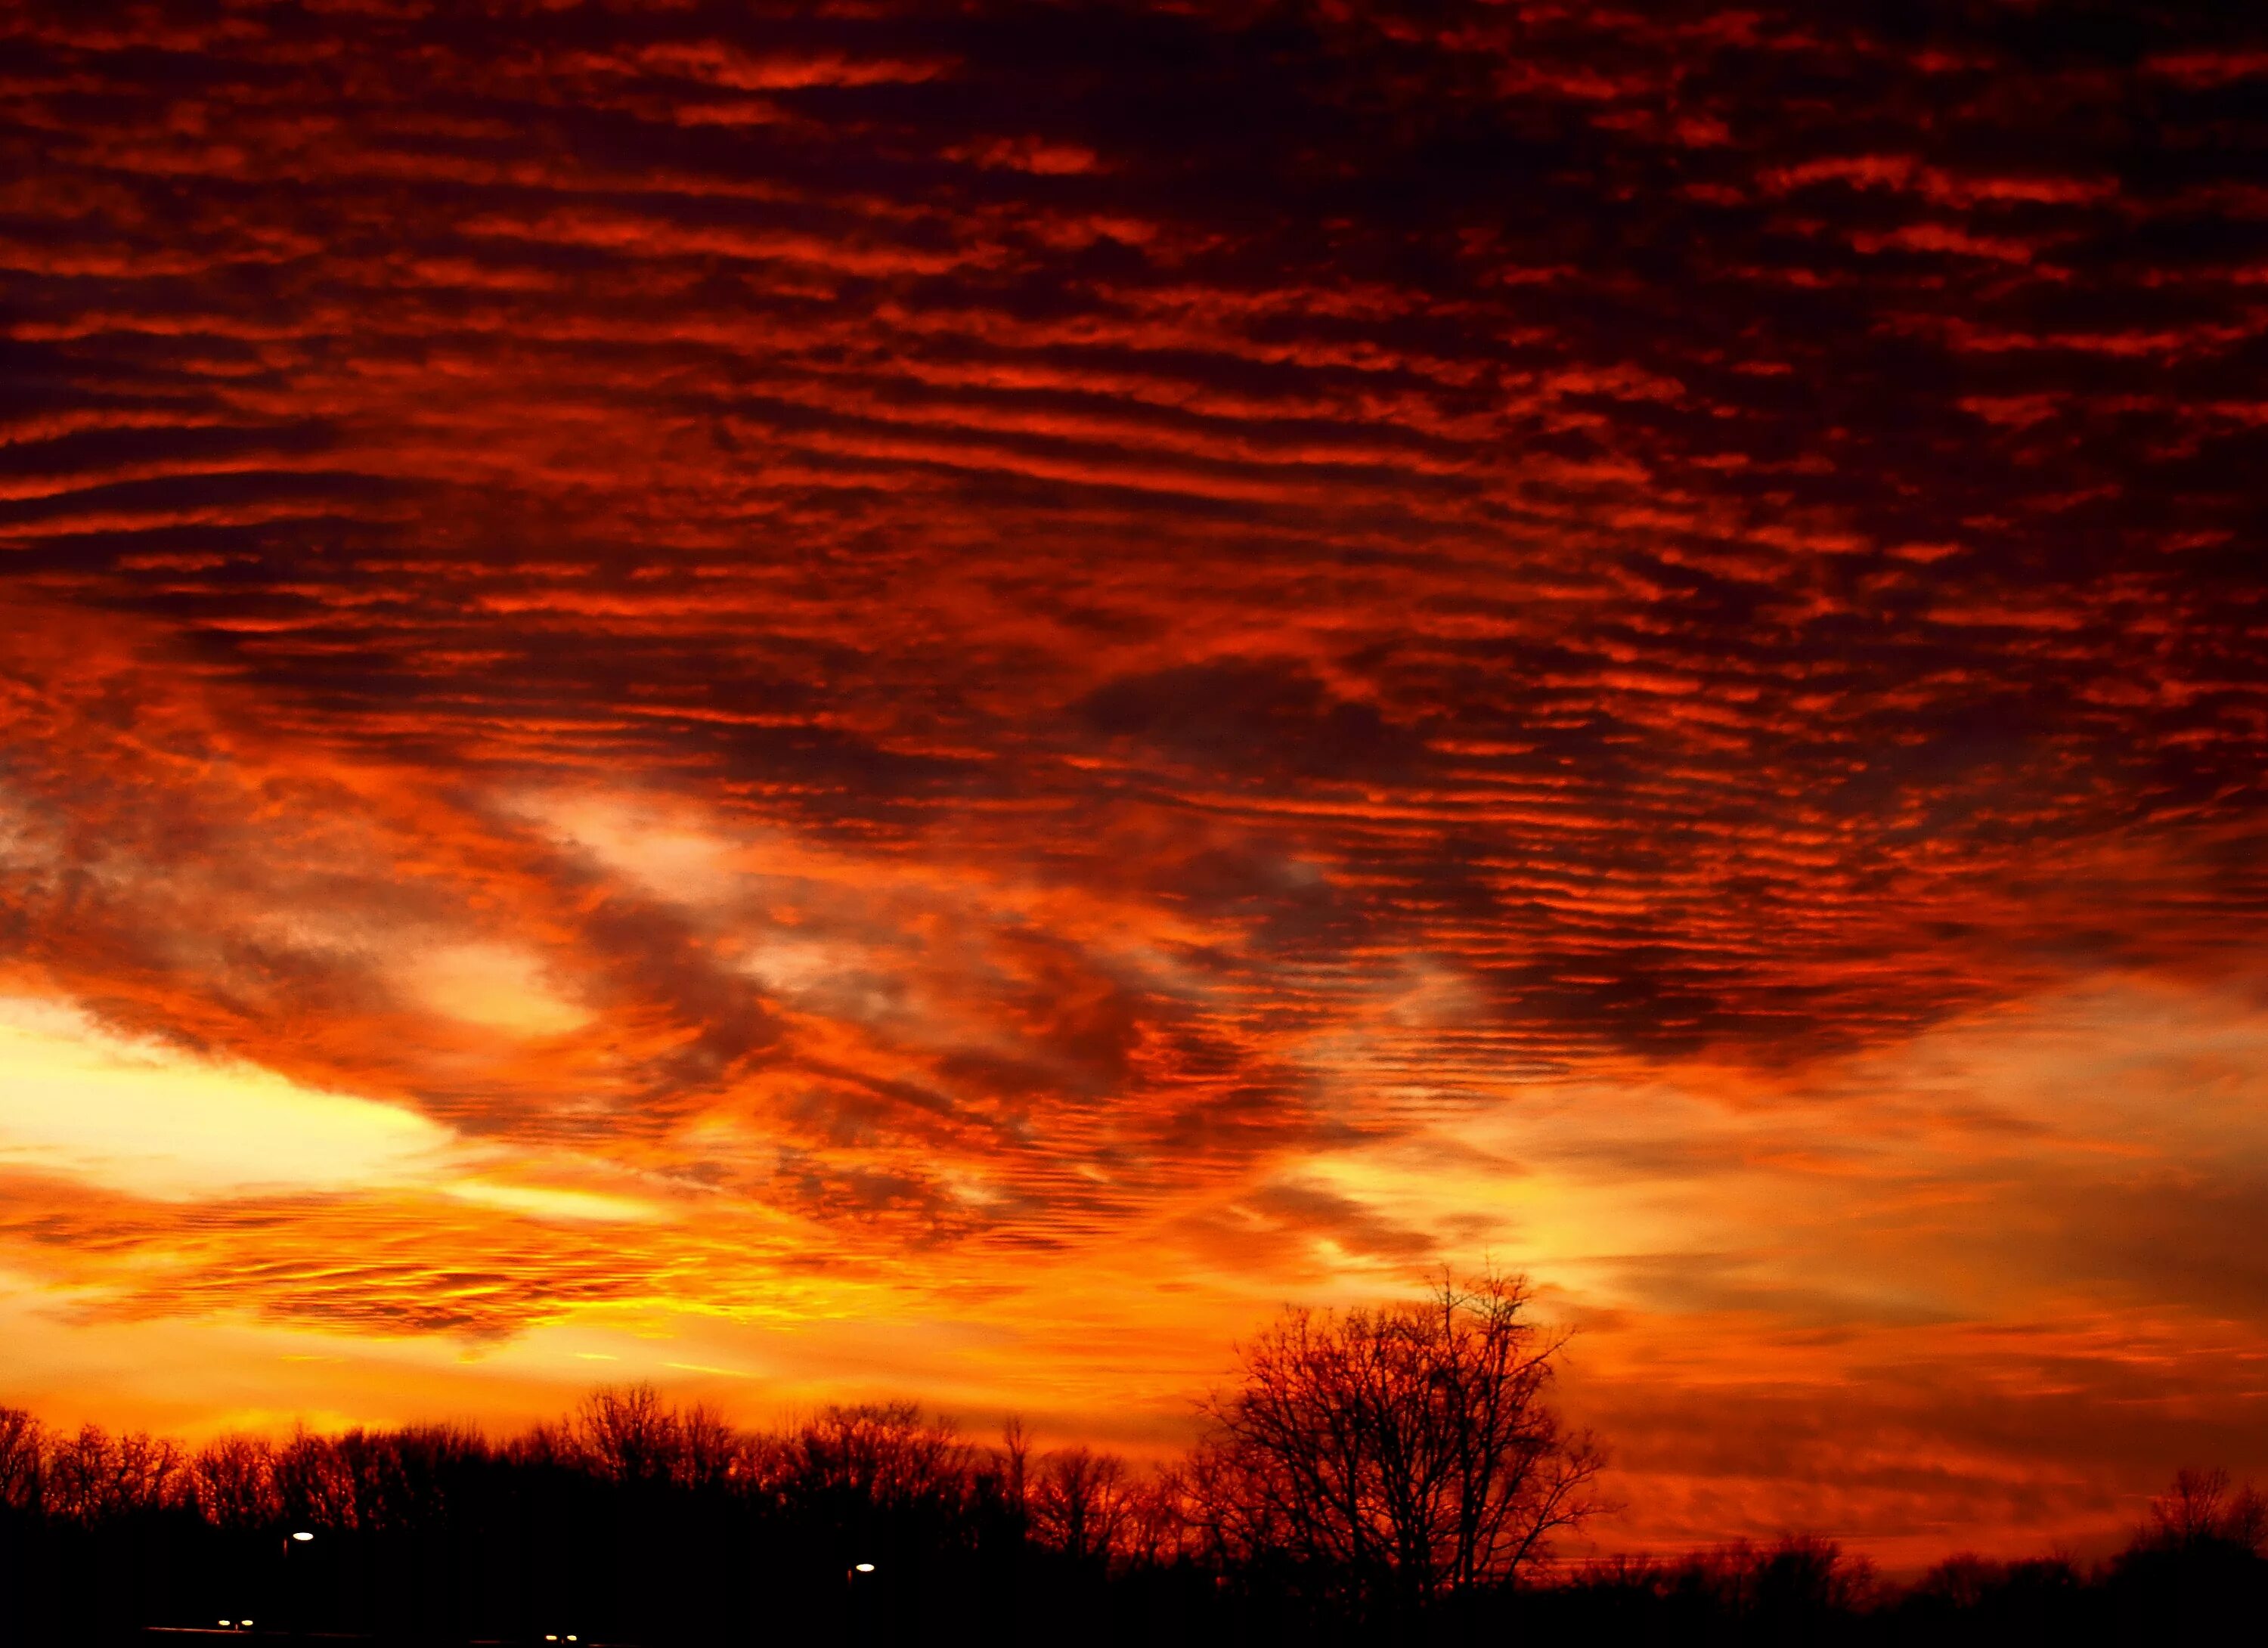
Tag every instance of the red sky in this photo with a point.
(903, 699)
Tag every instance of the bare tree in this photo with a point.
(1783, 1592)
(1015, 1461)
(1080, 1501)
(885, 1453)
(544, 1445)
(23, 1461)
(707, 1447)
(92, 1476)
(1155, 1528)
(2203, 1508)
(627, 1433)
(1403, 1452)
(410, 1477)
(233, 1481)
(759, 1463)
(315, 1485)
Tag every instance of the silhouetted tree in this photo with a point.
(233, 1480)
(1014, 1458)
(1080, 1503)
(627, 1433)
(1399, 1454)
(1968, 1599)
(2203, 1509)
(92, 1476)
(544, 1446)
(886, 1454)
(2197, 1561)
(313, 1486)
(638, 1520)
(409, 1478)
(1155, 1528)
(23, 1461)
(1800, 1581)
(1961, 1582)
(707, 1451)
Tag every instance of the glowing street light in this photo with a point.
(863, 1567)
(293, 1579)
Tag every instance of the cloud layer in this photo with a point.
(1036, 675)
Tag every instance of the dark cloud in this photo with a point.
(1238, 721)
(995, 618)
(1641, 490)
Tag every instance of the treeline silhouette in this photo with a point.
(1388, 1476)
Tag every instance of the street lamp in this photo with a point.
(851, 1594)
(292, 1581)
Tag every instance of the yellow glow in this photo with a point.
(154, 1122)
(549, 1201)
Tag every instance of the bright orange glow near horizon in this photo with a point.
(893, 701)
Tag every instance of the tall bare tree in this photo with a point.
(1080, 1501)
(627, 1433)
(1402, 1453)
(23, 1461)
(1014, 1458)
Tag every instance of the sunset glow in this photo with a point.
(890, 701)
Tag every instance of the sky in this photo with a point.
(885, 699)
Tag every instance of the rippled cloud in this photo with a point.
(936, 699)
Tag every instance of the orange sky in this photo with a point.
(901, 702)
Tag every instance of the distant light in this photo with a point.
(551, 1637)
(303, 1537)
(225, 1624)
(865, 1567)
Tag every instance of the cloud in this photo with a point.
(1048, 655)
(1242, 720)
(144, 1119)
